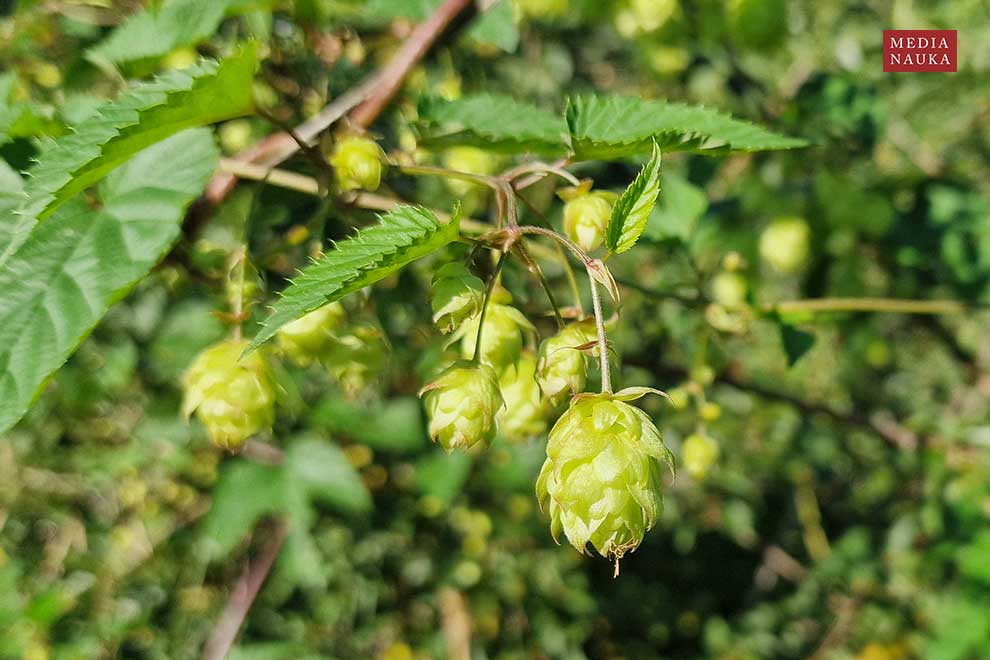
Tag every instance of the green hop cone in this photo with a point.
(461, 404)
(457, 295)
(785, 244)
(586, 217)
(601, 480)
(563, 368)
(234, 398)
(501, 339)
(525, 412)
(357, 163)
(698, 455)
(308, 338)
(357, 357)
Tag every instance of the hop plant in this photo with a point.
(461, 404)
(307, 339)
(525, 413)
(601, 479)
(501, 338)
(457, 296)
(357, 163)
(468, 159)
(698, 454)
(563, 367)
(233, 397)
(357, 356)
(586, 216)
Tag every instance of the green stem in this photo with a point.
(476, 359)
(596, 301)
(534, 268)
(501, 187)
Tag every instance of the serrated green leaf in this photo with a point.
(73, 267)
(609, 127)
(632, 210)
(401, 236)
(149, 113)
(492, 121)
(394, 426)
(158, 31)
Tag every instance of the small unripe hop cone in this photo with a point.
(308, 338)
(456, 296)
(586, 215)
(563, 366)
(501, 339)
(601, 480)
(357, 163)
(461, 404)
(234, 398)
(525, 413)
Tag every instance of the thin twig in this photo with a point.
(534, 268)
(596, 301)
(894, 305)
(242, 597)
(484, 305)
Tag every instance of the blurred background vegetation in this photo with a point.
(847, 513)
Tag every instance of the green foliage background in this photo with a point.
(848, 513)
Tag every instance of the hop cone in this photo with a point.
(563, 369)
(357, 357)
(461, 404)
(585, 218)
(601, 480)
(308, 338)
(525, 412)
(698, 455)
(502, 338)
(234, 398)
(357, 164)
(457, 296)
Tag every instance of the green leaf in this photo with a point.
(632, 210)
(443, 475)
(416, 10)
(613, 127)
(73, 267)
(160, 30)
(394, 426)
(323, 470)
(245, 491)
(149, 113)
(403, 235)
(492, 121)
(678, 210)
(497, 26)
(796, 342)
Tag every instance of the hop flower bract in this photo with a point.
(234, 398)
(525, 413)
(585, 218)
(461, 404)
(501, 339)
(457, 295)
(601, 480)
(307, 339)
(563, 367)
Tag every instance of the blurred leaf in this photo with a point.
(245, 492)
(678, 209)
(74, 266)
(188, 328)
(159, 30)
(393, 426)
(796, 342)
(974, 558)
(401, 236)
(443, 475)
(492, 121)
(847, 205)
(633, 208)
(497, 26)
(611, 127)
(324, 472)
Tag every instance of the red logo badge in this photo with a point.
(919, 50)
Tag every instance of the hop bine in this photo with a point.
(461, 404)
(601, 480)
(234, 398)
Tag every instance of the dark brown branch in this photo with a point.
(245, 591)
